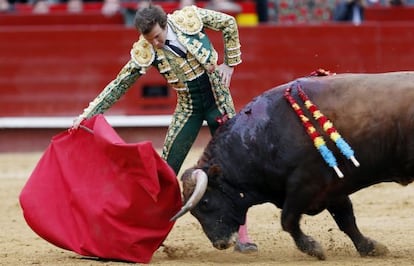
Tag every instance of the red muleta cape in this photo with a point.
(98, 196)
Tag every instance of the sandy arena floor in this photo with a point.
(384, 212)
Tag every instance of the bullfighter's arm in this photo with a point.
(113, 91)
(228, 26)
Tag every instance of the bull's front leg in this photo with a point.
(290, 223)
(343, 213)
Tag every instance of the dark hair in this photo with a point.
(147, 17)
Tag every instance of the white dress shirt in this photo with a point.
(172, 37)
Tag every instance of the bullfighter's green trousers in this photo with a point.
(201, 106)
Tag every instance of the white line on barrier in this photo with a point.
(66, 122)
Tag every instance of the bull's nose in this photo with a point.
(221, 244)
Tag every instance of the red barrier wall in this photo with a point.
(57, 70)
(60, 18)
(389, 13)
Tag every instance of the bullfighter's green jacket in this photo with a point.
(188, 24)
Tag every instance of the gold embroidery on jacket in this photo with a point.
(142, 53)
(187, 20)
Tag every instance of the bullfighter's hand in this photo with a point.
(77, 122)
(225, 72)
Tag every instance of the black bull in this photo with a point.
(264, 154)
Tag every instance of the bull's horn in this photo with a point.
(201, 181)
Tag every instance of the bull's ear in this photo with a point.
(214, 171)
(215, 175)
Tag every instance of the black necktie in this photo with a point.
(175, 49)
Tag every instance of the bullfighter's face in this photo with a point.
(156, 36)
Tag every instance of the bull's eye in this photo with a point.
(204, 204)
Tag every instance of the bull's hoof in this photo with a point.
(311, 247)
(316, 251)
(373, 248)
(245, 248)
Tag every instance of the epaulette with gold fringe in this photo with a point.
(187, 20)
(142, 53)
